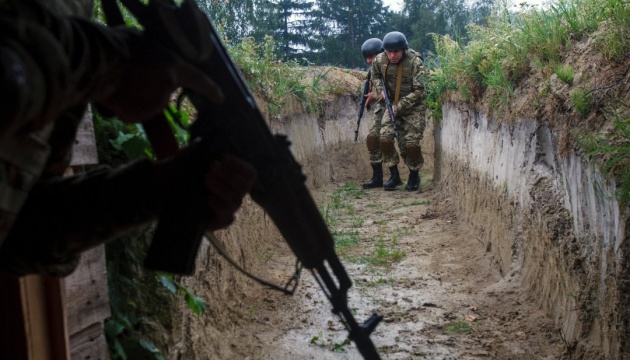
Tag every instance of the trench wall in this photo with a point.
(550, 220)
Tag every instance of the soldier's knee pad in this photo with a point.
(372, 142)
(414, 153)
(387, 147)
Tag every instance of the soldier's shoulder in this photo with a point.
(414, 55)
(380, 58)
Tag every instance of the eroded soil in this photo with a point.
(416, 264)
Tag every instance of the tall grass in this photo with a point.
(274, 80)
(500, 54)
(613, 147)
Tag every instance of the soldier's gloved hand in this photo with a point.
(227, 181)
(215, 184)
(395, 109)
(139, 85)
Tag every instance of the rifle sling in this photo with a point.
(398, 79)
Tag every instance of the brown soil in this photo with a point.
(443, 299)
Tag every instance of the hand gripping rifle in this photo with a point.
(388, 105)
(238, 127)
(366, 90)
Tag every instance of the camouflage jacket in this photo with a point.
(412, 91)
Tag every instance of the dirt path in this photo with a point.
(413, 262)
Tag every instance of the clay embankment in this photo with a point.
(549, 221)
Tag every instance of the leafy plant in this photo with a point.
(565, 73)
(582, 101)
(613, 148)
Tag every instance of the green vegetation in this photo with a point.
(278, 82)
(498, 56)
(614, 148)
(341, 217)
(329, 343)
(582, 101)
(458, 327)
(385, 253)
(565, 73)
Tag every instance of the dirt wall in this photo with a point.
(323, 144)
(550, 220)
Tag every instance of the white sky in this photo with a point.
(396, 5)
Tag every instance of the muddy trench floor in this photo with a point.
(413, 262)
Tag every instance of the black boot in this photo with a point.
(394, 180)
(414, 180)
(377, 177)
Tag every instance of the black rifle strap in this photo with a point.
(288, 288)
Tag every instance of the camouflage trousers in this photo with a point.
(373, 139)
(410, 131)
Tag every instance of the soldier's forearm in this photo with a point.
(66, 216)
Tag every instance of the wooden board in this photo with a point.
(87, 296)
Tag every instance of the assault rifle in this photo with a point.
(366, 90)
(388, 105)
(236, 126)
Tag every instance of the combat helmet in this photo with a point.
(394, 41)
(371, 47)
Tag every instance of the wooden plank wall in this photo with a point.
(87, 298)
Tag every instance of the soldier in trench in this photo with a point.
(369, 50)
(51, 66)
(403, 71)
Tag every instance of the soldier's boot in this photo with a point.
(394, 179)
(377, 177)
(414, 180)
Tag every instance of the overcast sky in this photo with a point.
(396, 5)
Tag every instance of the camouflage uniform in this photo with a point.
(411, 107)
(372, 140)
(59, 62)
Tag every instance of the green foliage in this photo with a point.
(275, 80)
(613, 148)
(458, 327)
(499, 55)
(564, 73)
(136, 300)
(127, 332)
(582, 101)
(615, 41)
(385, 253)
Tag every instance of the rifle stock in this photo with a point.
(366, 90)
(236, 126)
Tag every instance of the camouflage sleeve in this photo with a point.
(417, 96)
(60, 61)
(377, 79)
(65, 216)
(373, 90)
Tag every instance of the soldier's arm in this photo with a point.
(85, 61)
(417, 96)
(377, 82)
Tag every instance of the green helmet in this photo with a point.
(371, 47)
(395, 41)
